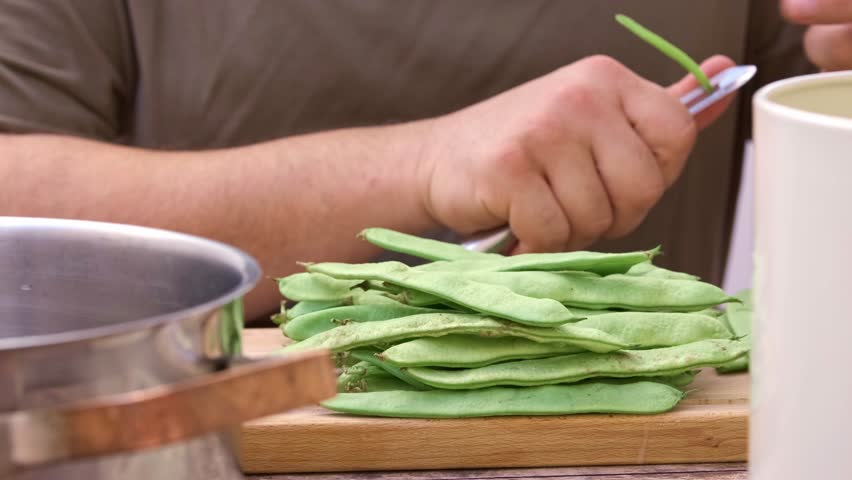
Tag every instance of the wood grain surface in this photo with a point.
(714, 471)
(708, 426)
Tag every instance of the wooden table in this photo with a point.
(712, 471)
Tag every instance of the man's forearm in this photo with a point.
(297, 199)
(579, 154)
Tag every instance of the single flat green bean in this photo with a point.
(394, 294)
(747, 297)
(680, 380)
(469, 351)
(584, 312)
(418, 246)
(357, 335)
(416, 298)
(580, 366)
(657, 329)
(314, 287)
(360, 368)
(373, 297)
(588, 262)
(348, 382)
(723, 319)
(308, 325)
(363, 377)
(282, 316)
(734, 366)
(302, 308)
(381, 382)
(613, 291)
(738, 318)
(369, 357)
(711, 312)
(402, 295)
(491, 299)
(632, 398)
(381, 288)
(648, 269)
(667, 49)
(343, 360)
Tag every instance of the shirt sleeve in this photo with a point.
(66, 67)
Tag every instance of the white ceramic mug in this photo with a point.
(801, 424)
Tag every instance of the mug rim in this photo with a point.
(762, 100)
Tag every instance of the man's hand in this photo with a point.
(582, 153)
(828, 42)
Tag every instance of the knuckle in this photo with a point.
(561, 237)
(599, 225)
(829, 46)
(543, 130)
(554, 227)
(603, 65)
(579, 99)
(552, 234)
(509, 158)
(648, 193)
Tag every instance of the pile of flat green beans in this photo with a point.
(473, 334)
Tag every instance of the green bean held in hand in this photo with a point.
(667, 49)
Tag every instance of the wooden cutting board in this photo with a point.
(710, 425)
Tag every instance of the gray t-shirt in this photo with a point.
(198, 74)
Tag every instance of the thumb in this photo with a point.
(830, 46)
(711, 66)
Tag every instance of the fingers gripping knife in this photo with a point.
(724, 83)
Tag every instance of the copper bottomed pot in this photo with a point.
(120, 354)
